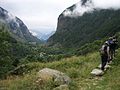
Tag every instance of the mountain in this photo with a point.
(42, 35)
(46, 36)
(17, 28)
(82, 23)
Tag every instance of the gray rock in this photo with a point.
(55, 76)
(97, 72)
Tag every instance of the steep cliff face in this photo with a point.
(16, 27)
(77, 28)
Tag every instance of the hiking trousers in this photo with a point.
(104, 60)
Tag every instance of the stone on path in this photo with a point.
(106, 67)
(97, 72)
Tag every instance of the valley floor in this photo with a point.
(77, 68)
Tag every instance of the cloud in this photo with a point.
(91, 5)
(33, 33)
(79, 9)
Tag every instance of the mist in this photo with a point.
(90, 5)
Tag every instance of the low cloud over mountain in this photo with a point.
(89, 5)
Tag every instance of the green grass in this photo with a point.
(77, 68)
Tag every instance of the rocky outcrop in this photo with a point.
(58, 78)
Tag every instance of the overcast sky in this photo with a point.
(37, 14)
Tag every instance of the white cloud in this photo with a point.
(90, 5)
(79, 9)
(33, 33)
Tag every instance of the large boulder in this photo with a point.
(97, 72)
(55, 76)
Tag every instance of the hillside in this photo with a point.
(75, 31)
(78, 68)
(14, 52)
(16, 27)
(73, 50)
(11, 51)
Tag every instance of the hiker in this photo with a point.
(111, 47)
(105, 54)
(114, 45)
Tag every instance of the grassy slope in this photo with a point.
(78, 68)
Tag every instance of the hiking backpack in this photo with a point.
(103, 50)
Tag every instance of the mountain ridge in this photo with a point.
(16, 27)
(76, 31)
(42, 35)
